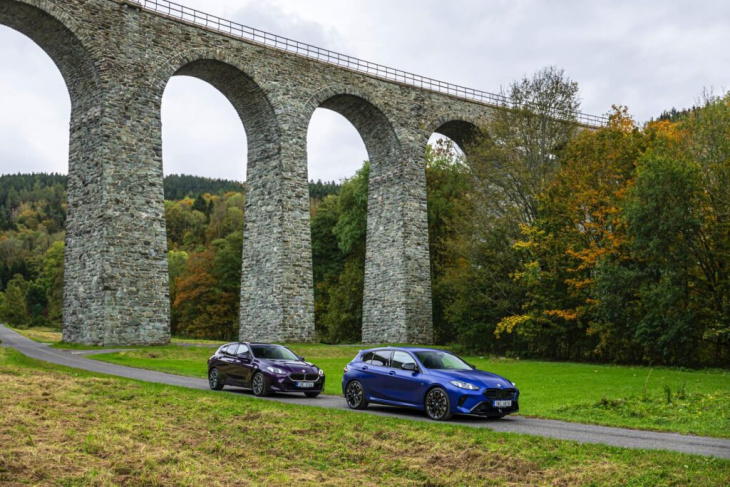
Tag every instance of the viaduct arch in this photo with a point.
(117, 56)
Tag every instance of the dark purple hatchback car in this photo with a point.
(263, 368)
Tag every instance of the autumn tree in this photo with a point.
(579, 225)
(513, 158)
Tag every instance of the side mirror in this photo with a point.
(409, 366)
(301, 358)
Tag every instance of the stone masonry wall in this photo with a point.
(117, 60)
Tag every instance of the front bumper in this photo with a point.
(283, 383)
(477, 404)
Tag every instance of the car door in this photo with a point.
(402, 385)
(225, 361)
(373, 372)
(241, 368)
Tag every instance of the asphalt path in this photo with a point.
(583, 433)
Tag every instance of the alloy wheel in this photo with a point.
(355, 395)
(214, 380)
(437, 405)
(259, 385)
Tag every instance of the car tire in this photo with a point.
(355, 395)
(258, 385)
(312, 394)
(437, 404)
(215, 381)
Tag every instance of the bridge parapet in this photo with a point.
(201, 19)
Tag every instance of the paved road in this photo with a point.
(698, 445)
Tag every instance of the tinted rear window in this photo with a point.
(381, 357)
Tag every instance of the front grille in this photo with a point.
(500, 393)
(304, 376)
(486, 409)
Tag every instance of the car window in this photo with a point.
(273, 352)
(366, 358)
(381, 358)
(230, 349)
(242, 348)
(400, 358)
(442, 360)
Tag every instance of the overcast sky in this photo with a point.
(649, 56)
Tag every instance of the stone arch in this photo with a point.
(240, 89)
(362, 112)
(264, 309)
(387, 302)
(462, 129)
(60, 37)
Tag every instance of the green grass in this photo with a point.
(67, 427)
(633, 397)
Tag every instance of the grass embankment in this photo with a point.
(66, 427)
(662, 399)
(697, 402)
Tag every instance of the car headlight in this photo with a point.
(464, 385)
(514, 385)
(321, 373)
(275, 370)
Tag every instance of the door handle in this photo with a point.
(392, 372)
(364, 367)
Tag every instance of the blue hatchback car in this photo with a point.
(436, 381)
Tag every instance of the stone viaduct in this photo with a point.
(117, 56)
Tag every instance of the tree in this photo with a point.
(176, 260)
(339, 287)
(664, 223)
(580, 225)
(15, 311)
(511, 162)
(204, 310)
(53, 261)
(517, 153)
(447, 184)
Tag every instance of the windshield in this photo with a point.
(442, 360)
(273, 352)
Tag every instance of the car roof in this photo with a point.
(407, 349)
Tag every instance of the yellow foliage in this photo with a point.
(509, 323)
(566, 314)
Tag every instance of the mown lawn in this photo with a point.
(62, 426)
(662, 399)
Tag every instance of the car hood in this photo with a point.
(476, 377)
(292, 366)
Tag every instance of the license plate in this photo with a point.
(502, 404)
(307, 385)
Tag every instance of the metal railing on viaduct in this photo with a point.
(202, 19)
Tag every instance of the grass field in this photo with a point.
(662, 399)
(67, 427)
